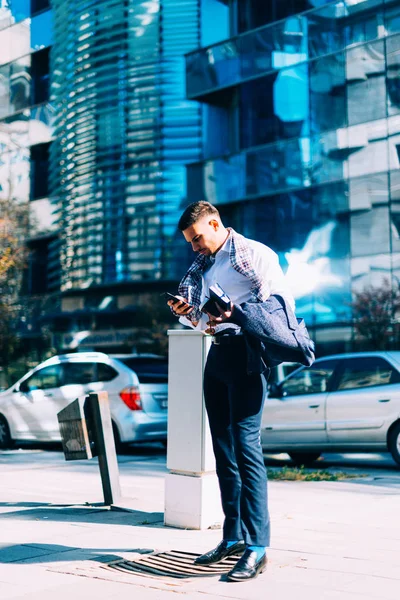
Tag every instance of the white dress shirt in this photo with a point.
(237, 286)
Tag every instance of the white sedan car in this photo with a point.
(137, 390)
(342, 403)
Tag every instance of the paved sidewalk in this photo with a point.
(337, 540)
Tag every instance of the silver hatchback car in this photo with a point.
(342, 403)
(138, 398)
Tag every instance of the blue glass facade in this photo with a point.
(307, 157)
(124, 130)
(95, 132)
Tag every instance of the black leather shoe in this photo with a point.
(220, 552)
(248, 567)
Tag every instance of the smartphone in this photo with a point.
(169, 296)
(175, 299)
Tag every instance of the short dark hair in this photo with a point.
(194, 212)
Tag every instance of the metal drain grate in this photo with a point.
(175, 564)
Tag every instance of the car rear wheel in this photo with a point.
(304, 458)
(5, 437)
(394, 443)
(120, 447)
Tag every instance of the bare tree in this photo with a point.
(375, 314)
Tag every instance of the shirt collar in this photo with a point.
(226, 246)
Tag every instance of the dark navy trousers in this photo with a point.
(234, 402)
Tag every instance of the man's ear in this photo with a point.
(214, 224)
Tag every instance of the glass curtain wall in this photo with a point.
(326, 29)
(314, 170)
(123, 133)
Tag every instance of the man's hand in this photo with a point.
(181, 308)
(224, 316)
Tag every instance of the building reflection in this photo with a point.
(310, 108)
(290, 123)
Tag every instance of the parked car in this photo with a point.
(342, 403)
(28, 409)
(281, 371)
(152, 371)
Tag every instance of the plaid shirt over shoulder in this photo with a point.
(240, 256)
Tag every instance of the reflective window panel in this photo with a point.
(41, 31)
(26, 128)
(15, 41)
(366, 78)
(372, 270)
(328, 96)
(20, 84)
(124, 132)
(312, 244)
(14, 175)
(252, 14)
(14, 11)
(40, 72)
(274, 107)
(39, 171)
(393, 74)
(328, 28)
(39, 5)
(15, 86)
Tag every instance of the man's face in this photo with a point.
(203, 235)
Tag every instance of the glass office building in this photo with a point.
(123, 133)
(26, 130)
(301, 129)
(95, 131)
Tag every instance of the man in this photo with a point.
(236, 370)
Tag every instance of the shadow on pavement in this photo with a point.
(87, 506)
(359, 461)
(140, 449)
(44, 553)
(81, 514)
(155, 449)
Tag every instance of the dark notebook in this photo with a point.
(216, 296)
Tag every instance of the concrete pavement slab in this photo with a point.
(375, 587)
(82, 590)
(26, 579)
(331, 540)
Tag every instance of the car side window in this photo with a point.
(367, 372)
(79, 373)
(105, 372)
(311, 380)
(43, 379)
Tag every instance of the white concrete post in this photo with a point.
(192, 497)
